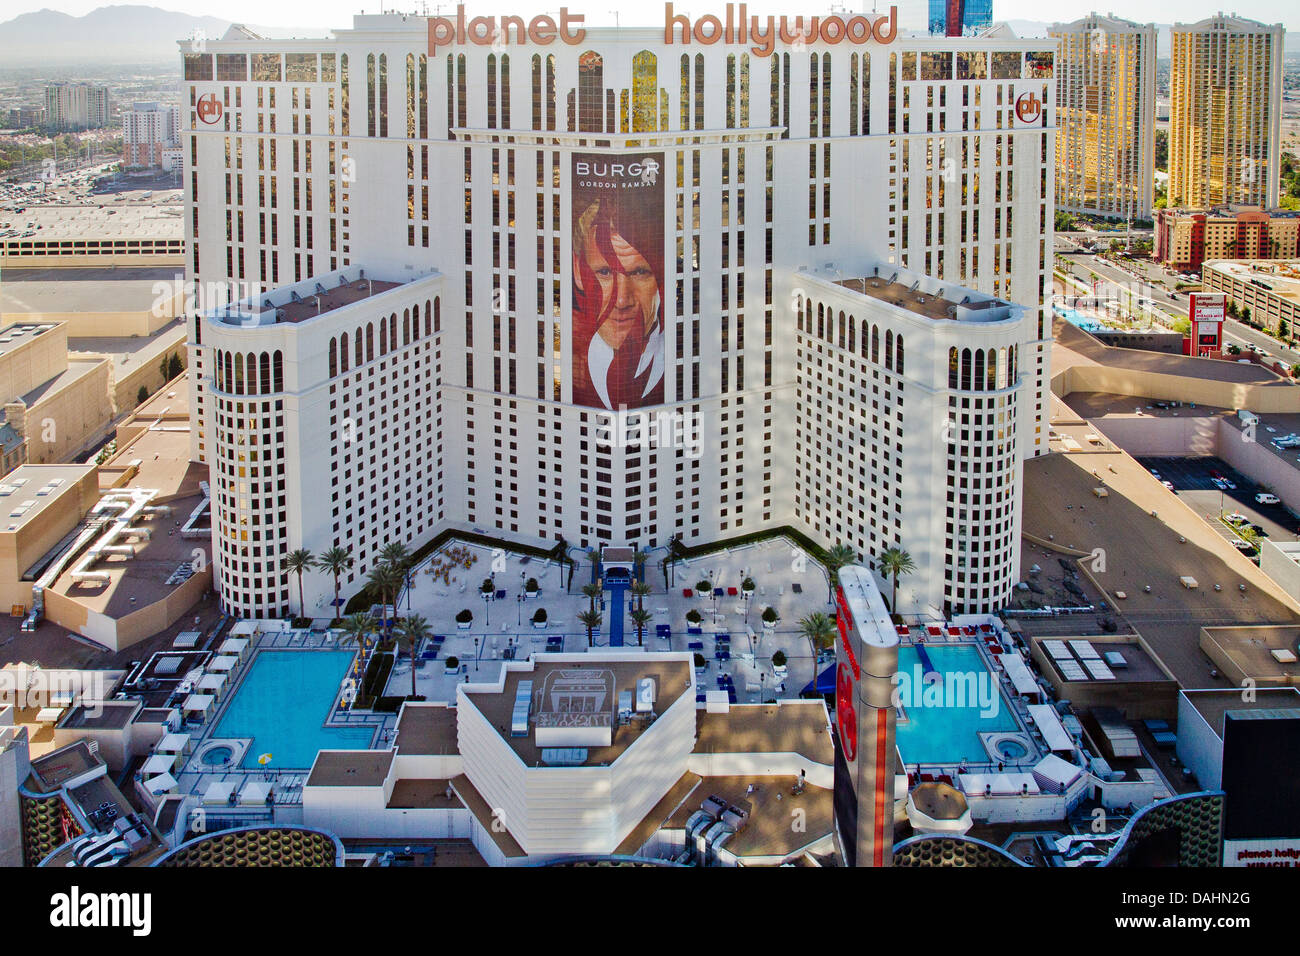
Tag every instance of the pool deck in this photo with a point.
(195, 777)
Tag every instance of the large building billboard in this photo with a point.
(617, 208)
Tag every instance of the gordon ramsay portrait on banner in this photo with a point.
(618, 280)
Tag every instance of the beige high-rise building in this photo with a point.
(1225, 112)
(1106, 108)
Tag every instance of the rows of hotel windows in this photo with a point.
(844, 333)
(240, 373)
(982, 370)
(592, 107)
(363, 339)
(980, 508)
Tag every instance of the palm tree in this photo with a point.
(335, 561)
(893, 562)
(640, 619)
(383, 581)
(820, 630)
(410, 632)
(296, 562)
(396, 554)
(640, 589)
(592, 591)
(355, 629)
(590, 620)
(840, 556)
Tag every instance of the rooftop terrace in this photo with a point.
(914, 297)
(598, 707)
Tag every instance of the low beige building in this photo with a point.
(39, 506)
(55, 404)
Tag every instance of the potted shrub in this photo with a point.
(693, 616)
(779, 665)
(464, 618)
(531, 587)
(487, 587)
(452, 665)
(700, 662)
(747, 586)
(539, 619)
(770, 618)
(704, 587)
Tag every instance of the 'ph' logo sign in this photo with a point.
(209, 108)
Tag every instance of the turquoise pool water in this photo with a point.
(282, 704)
(1074, 317)
(949, 733)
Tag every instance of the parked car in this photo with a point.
(1242, 545)
(1236, 517)
(1267, 498)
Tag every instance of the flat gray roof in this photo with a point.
(1213, 704)
(350, 768)
(105, 289)
(109, 715)
(17, 334)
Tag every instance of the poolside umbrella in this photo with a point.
(264, 759)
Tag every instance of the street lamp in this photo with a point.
(519, 609)
(476, 640)
(487, 607)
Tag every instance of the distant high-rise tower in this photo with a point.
(76, 106)
(1106, 102)
(960, 18)
(1225, 112)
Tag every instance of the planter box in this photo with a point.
(769, 625)
(449, 671)
(463, 627)
(532, 594)
(540, 625)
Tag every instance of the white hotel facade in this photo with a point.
(855, 252)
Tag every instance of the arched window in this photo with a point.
(343, 352)
(889, 350)
(645, 96)
(392, 331)
(591, 92)
(953, 366)
(334, 357)
(853, 335)
(979, 369)
(406, 324)
(264, 378)
(840, 337)
(239, 373)
(370, 342)
(898, 354)
(821, 321)
(360, 354)
(277, 373)
(965, 370)
(875, 344)
(437, 316)
(383, 338)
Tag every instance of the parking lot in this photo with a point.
(1212, 487)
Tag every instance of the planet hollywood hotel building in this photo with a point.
(715, 276)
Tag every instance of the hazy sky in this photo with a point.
(332, 13)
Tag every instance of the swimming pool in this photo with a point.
(936, 730)
(282, 704)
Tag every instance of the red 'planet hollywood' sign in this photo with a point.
(733, 28)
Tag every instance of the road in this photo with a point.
(1153, 276)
